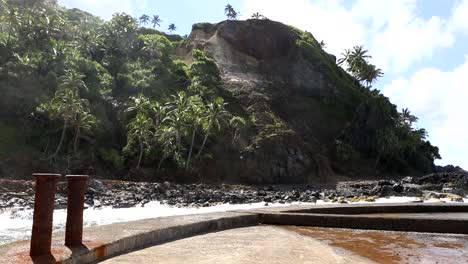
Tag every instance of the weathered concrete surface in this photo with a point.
(256, 245)
(393, 247)
(101, 242)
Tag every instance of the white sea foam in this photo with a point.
(15, 224)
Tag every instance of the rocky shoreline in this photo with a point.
(119, 194)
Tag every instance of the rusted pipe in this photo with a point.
(75, 207)
(41, 237)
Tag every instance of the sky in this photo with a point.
(421, 45)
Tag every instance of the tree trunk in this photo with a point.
(203, 145)
(76, 142)
(377, 160)
(62, 137)
(160, 163)
(204, 140)
(141, 154)
(187, 165)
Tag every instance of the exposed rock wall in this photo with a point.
(287, 98)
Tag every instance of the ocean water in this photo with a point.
(15, 223)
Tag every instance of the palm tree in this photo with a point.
(66, 105)
(194, 115)
(215, 116)
(139, 104)
(140, 129)
(72, 80)
(370, 74)
(237, 123)
(230, 12)
(165, 137)
(176, 115)
(172, 27)
(357, 64)
(83, 121)
(257, 16)
(156, 21)
(407, 118)
(144, 19)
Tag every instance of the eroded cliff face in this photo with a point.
(296, 100)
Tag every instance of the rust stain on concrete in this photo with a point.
(392, 247)
(449, 245)
(101, 252)
(99, 248)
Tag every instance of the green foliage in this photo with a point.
(8, 139)
(204, 74)
(345, 152)
(358, 65)
(112, 158)
(205, 26)
(139, 136)
(68, 107)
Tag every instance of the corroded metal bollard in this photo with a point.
(75, 207)
(41, 238)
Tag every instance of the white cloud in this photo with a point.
(459, 20)
(439, 97)
(392, 32)
(105, 8)
(407, 40)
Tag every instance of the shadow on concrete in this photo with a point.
(44, 259)
(78, 250)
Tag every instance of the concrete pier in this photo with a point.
(103, 242)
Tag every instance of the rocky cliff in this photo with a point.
(300, 105)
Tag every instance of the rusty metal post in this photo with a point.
(75, 207)
(44, 198)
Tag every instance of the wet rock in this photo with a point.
(386, 191)
(398, 187)
(385, 182)
(431, 195)
(412, 190)
(458, 192)
(407, 179)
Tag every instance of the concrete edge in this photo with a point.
(350, 209)
(366, 208)
(162, 235)
(407, 224)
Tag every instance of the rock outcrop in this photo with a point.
(297, 100)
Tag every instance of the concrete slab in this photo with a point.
(255, 245)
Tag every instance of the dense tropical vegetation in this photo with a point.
(82, 95)
(396, 144)
(77, 90)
